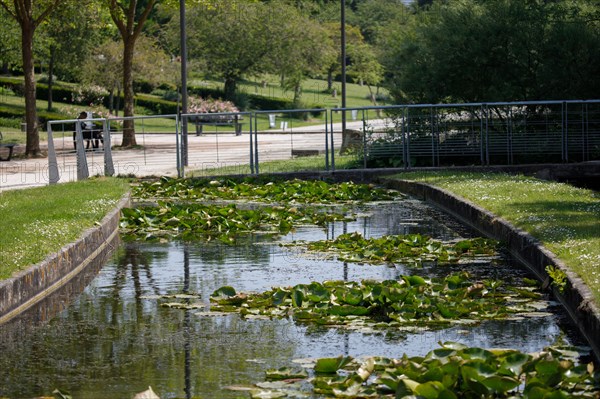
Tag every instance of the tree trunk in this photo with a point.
(32, 147)
(118, 106)
(50, 76)
(111, 101)
(128, 125)
(297, 94)
(329, 80)
(230, 88)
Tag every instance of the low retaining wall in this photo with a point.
(30, 287)
(576, 298)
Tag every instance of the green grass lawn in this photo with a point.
(301, 164)
(313, 91)
(564, 218)
(39, 221)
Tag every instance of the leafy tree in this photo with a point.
(364, 67)
(232, 39)
(69, 38)
(10, 47)
(30, 15)
(373, 17)
(332, 62)
(129, 16)
(496, 50)
(105, 68)
(300, 48)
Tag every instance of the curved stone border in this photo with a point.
(29, 287)
(576, 298)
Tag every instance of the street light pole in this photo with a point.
(343, 40)
(184, 93)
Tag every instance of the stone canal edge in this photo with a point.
(30, 287)
(576, 298)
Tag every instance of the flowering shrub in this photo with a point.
(198, 105)
(89, 95)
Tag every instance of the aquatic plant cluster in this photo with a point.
(411, 301)
(452, 371)
(182, 211)
(194, 221)
(409, 249)
(266, 191)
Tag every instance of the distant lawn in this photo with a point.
(313, 91)
(564, 218)
(301, 164)
(39, 221)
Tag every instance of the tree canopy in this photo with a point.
(496, 50)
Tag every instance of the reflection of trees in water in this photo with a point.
(113, 342)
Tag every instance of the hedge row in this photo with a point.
(156, 105)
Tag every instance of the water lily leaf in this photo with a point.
(514, 362)
(430, 389)
(224, 292)
(441, 353)
(330, 365)
(453, 345)
(548, 371)
(317, 293)
(347, 310)
(355, 390)
(406, 387)
(366, 369)
(297, 298)
(353, 296)
(477, 353)
(389, 380)
(285, 373)
(500, 384)
(416, 280)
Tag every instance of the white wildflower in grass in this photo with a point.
(99, 206)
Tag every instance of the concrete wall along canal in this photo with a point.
(23, 291)
(577, 298)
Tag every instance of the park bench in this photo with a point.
(9, 146)
(218, 120)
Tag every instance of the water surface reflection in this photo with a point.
(116, 339)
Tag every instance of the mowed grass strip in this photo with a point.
(566, 219)
(39, 221)
(300, 164)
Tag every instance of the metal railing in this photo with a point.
(402, 136)
(506, 133)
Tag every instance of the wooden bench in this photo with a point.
(218, 121)
(10, 148)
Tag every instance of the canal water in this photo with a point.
(115, 339)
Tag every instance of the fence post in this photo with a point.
(53, 174)
(82, 166)
(109, 168)
(332, 144)
(326, 141)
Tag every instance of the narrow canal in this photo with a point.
(117, 338)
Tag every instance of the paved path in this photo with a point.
(158, 156)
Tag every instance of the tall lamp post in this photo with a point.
(184, 93)
(343, 41)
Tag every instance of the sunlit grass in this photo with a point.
(313, 91)
(564, 218)
(39, 221)
(301, 164)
